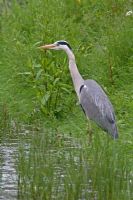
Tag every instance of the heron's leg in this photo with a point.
(89, 130)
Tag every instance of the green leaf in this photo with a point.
(56, 81)
(39, 74)
(37, 66)
(24, 73)
(45, 98)
(66, 90)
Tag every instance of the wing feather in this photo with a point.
(97, 105)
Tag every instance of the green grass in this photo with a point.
(59, 164)
(36, 90)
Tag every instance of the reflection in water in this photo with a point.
(54, 166)
(8, 174)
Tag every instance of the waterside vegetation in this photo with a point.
(38, 103)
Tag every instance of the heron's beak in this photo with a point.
(47, 46)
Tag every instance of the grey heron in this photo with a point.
(93, 100)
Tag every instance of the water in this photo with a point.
(8, 174)
(61, 168)
(9, 151)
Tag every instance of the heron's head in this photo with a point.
(59, 45)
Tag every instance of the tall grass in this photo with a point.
(59, 163)
(62, 167)
(100, 35)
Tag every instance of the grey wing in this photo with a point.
(97, 106)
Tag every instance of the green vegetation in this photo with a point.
(36, 91)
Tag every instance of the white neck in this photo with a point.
(76, 77)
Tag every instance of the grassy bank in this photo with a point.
(36, 90)
(101, 38)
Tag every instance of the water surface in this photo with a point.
(8, 174)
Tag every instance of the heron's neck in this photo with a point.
(76, 77)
